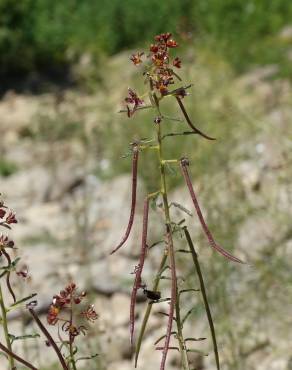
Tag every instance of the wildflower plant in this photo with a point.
(9, 270)
(163, 82)
(71, 315)
(68, 311)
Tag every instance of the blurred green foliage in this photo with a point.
(40, 34)
(7, 168)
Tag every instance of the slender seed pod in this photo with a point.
(139, 269)
(133, 202)
(49, 337)
(199, 132)
(172, 297)
(184, 164)
(17, 358)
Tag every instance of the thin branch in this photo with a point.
(16, 357)
(180, 103)
(139, 269)
(179, 134)
(163, 336)
(133, 202)
(204, 295)
(137, 108)
(184, 164)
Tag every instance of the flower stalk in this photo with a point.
(4, 323)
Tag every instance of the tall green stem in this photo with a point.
(175, 297)
(5, 328)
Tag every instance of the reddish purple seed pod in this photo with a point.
(139, 269)
(184, 164)
(133, 201)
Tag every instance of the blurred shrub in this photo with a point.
(7, 168)
(239, 28)
(36, 34)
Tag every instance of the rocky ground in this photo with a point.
(71, 214)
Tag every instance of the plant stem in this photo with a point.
(71, 338)
(204, 295)
(5, 328)
(72, 360)
(174, 303)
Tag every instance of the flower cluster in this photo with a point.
(62, 301)
(65, 302)
(160, 72)
(7, 217)
(133, 102)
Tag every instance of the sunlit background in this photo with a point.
(65, 168)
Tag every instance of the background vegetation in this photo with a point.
(47, 35)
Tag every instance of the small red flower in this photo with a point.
(154, 48)
(52, 316)
(171, 44)
(2, 213)
(136, 58)
(177, 62)
(6, 242)
(11, 219)
(90, 313)
(163, 37)
(23, 272)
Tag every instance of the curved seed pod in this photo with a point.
(133, 202)
(172, 298)
(180, 103)
(184, 164)
(139, 269)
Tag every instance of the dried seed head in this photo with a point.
(185, 161)
(136, 58)
(157, 120)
